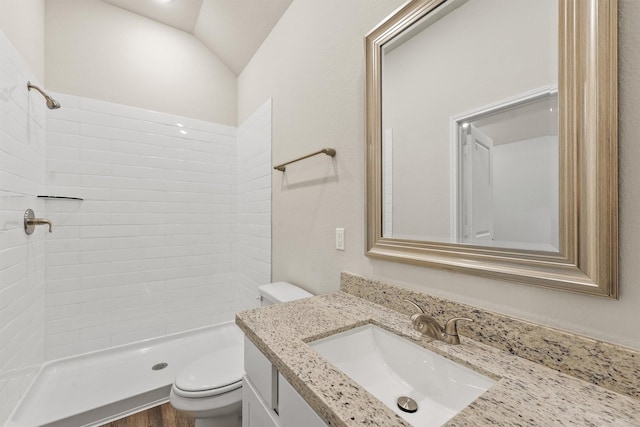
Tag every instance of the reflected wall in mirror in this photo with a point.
(434, 73)
(492, 140)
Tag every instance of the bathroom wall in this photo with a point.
(312, 66)
(23, 25)
(254, 205)
(22, 264)
(97, 50)
(529, 215)
(150, 250)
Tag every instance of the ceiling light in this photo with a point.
(164, 1)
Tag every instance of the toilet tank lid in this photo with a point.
(282, 292)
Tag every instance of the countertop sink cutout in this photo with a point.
(389, 367)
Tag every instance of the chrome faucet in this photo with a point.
(428, 325)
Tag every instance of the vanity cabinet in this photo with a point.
(255, 413)
(268, 400)
(294, 411)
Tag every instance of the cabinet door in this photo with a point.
(261, 372)
(255, 413)
(293, 411)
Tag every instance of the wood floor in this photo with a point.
(160, 416)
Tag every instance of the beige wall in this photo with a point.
(96, 50)
(312, 65)
(23, 23)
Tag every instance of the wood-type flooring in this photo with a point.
(160, 416)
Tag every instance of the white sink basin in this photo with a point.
(389, 366)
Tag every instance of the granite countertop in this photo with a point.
(525, 394)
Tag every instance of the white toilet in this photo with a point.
(210, 388)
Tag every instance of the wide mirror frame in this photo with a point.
(587, 262)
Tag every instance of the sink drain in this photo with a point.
(407, 404)
(159, 366)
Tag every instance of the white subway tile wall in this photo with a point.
(22, 257)
(254, 204)
(152, 248)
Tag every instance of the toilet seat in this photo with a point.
(207, 393)
(213, 374)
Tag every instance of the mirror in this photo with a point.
(492, 140)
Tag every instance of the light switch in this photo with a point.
(340, 239)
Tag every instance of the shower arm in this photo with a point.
(30, 86)
(51, 103)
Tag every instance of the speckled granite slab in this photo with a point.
(525, 394)
(606, 365)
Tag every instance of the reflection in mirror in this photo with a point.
(435, 186)
(506, 167)
(492, 140)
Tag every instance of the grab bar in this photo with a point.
(328, 151)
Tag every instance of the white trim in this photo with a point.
(503, 104)
(387, 182)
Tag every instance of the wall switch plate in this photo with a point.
(340, 239)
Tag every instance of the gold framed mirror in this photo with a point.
(577, 250)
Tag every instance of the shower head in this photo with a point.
(52, 104)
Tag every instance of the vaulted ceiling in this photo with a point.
(231, 29)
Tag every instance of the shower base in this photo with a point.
(102, 386)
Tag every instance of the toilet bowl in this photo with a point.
(221, 410)
(210, 388)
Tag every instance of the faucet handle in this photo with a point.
(450, 334)
(451, 327)
(415, 305)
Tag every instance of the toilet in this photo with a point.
(210, 388)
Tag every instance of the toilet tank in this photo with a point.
(278, 292)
